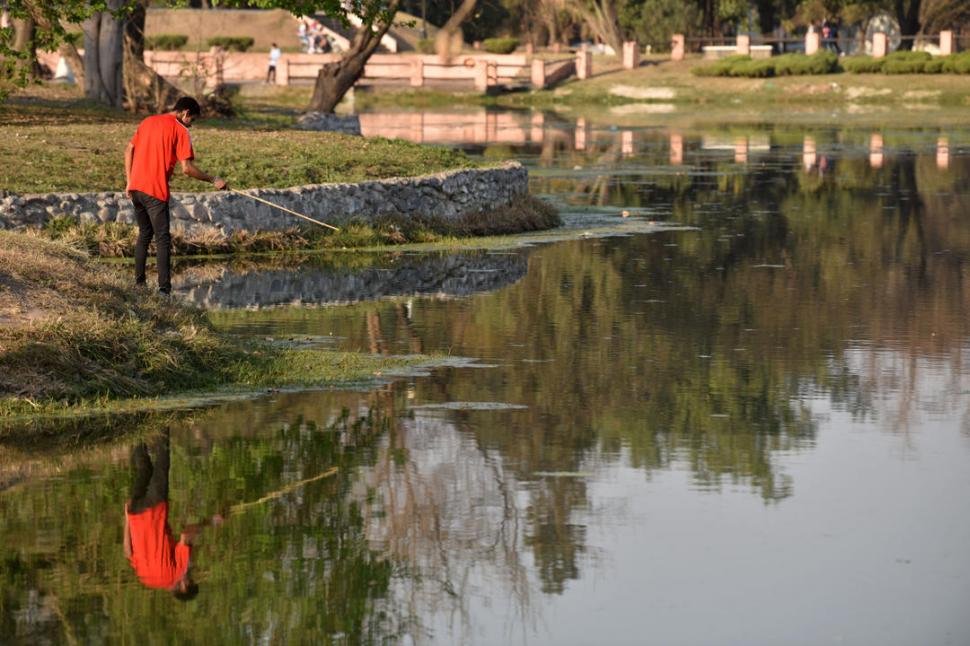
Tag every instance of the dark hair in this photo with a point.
(189, 594)
(188, 103)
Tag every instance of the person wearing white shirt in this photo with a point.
(274, 58)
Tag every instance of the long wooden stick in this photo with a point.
(283, 208)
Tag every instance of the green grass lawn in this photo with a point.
(56, 142)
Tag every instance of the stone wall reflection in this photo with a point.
(408, 275)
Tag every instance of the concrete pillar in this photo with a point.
(477, 44)
(880, 45)
(530, 49)
(556, 48)
(417, 72)
(812, 42)
(808, 153)
(282, 71)
(741, 150)
(946, 43)
(481, 75)
(676, 149)
(875, 150)
(942, 153)
(743, 45)
(677, 47)
(584, 63)
(538, 73)
(582, 134)
(631, 55)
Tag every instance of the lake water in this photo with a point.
(729, 403)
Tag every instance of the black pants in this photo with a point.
(152, 217)
(149, 482)
(271, 74)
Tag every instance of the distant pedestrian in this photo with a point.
(150, 157)
(274, 58)
(302, 35)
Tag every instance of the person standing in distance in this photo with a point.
(159, 142)
(274, 59)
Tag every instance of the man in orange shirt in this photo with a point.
(160, 142)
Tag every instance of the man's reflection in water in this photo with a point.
(150, 547)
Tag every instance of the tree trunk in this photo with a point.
(335, 79)
(103, 55)
(144, 89)
(907, 14)
(23, 41)
(449, 39)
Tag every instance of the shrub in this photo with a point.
(934, 66)
(823, 62)
(957, 63)
(722, 67)
(231, 43)
(754, 68)
(425, 46)
(906, 62)
(167, 42)
(862, 64)
(500, 45)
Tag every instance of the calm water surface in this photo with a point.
(749, 426)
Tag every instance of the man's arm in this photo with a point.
(189, 168)
(129, 156)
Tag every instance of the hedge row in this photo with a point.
(167, 42)
(827, 63)
(231, 43)
(500, 45)
(823, 62)
(909, 63)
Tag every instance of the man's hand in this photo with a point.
(219, 183)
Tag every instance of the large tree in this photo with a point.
(41, 24)
(335, 79)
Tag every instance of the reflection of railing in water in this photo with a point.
(484, 127)
(448, 275)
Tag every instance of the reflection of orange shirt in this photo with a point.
(157, 559)
(159, 142)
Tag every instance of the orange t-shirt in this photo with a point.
(159, 142)
(155, 556)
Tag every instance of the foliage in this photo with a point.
(166, 42)
(862, 64)
(500, 45)
(786, 65)
(232, 43)
(50, 19)
(906, 62)
(822, 62)
(722, 67)
(652, 22)
(903, 62)
(425, 46)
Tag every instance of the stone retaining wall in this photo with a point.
(447, 195)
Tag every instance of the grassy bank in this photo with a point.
(76, 336)
(58, 152)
